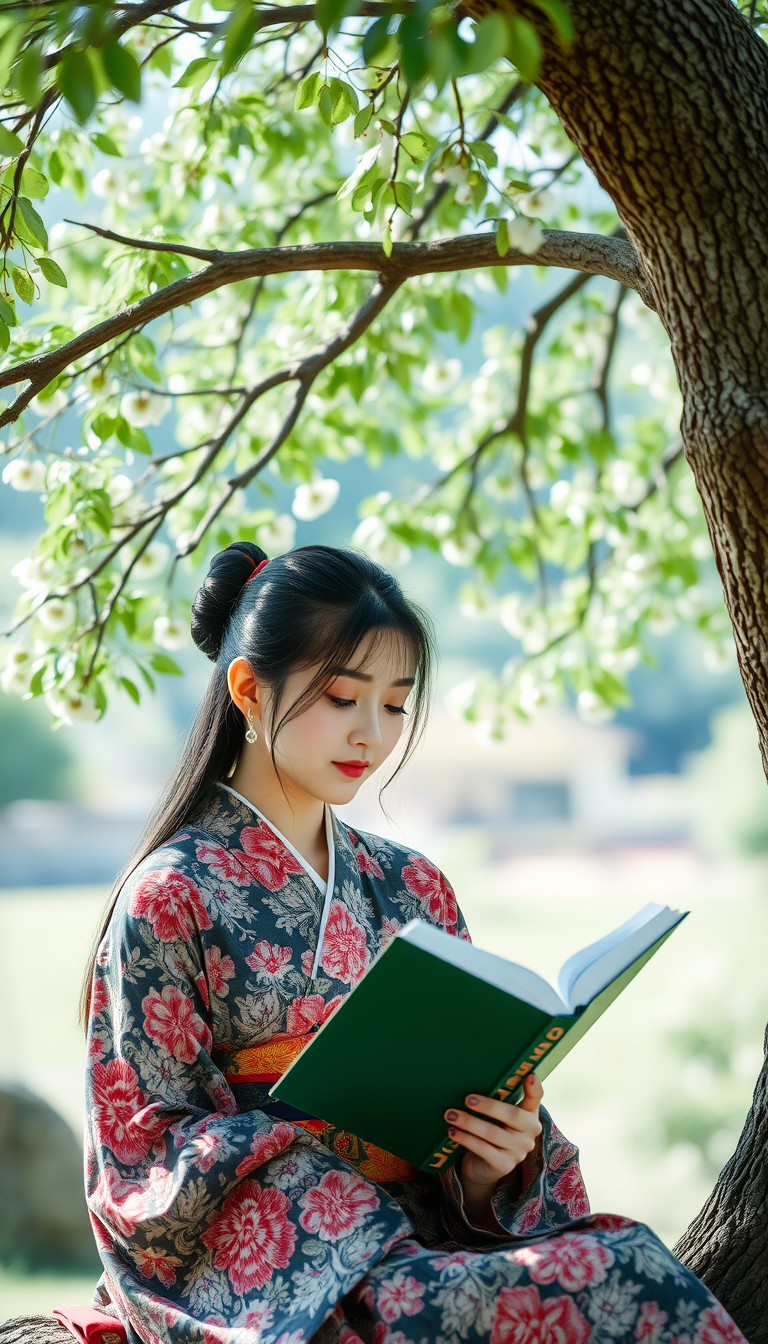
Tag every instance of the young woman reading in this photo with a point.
(249, 912)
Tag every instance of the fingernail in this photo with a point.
(451, 1115)
(452, 1133)
(473, 1101)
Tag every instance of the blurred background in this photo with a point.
(551, 838)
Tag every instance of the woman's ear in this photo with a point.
(243, 687)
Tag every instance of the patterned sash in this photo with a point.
(267, 1063)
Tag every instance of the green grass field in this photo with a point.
(654, 1116)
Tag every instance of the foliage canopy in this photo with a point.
(258, 190)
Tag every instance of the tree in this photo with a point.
(387, 154)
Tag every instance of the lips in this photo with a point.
(352, 769)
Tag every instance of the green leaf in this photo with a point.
(10, 144)
(23, 283)
(330, 14)
(34, 183)
(196, 73)
(56, 167)
(160, 662)
(241, 29)
(74, 77)
(147, 676)
(561, 19)
(27, 74)
(376, 39)
(502, 238)
(418, 145)
(52, 271)
(386, 240)
(308, 91)
(403, 196)
(484, 152)
(523, 47)
(132, 689)
(106, 144)
(490, 44)
(122, 70)
(5, 336)
(325, 104)
(363, 119)
(33, 222)
(36, 684)
(7, 312)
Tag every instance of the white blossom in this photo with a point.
(525, 235)
(278, 535)
(592, 708)
(57, 615)
(169, 634)
(440, 378)
(152, 561)
(24, 474)
(536, 203)
(143, 407)
(461, 550)
(372, 536)
(17, 672)
(45, 406)
(98, 382)
(33, 571)
(463, 194)
(119, 489)
(105, 184)
(215, 218)
(315, 498)
(70, 704)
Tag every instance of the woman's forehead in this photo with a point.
(383, 656)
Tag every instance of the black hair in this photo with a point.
(309, 608)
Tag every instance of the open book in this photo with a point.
(435, 1018)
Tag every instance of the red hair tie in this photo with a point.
(256, 570)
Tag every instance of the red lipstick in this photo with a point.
(353, 769)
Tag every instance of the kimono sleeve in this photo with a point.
(164, 1141)
(545, 1192)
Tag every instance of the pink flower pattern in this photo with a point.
(436, 894)
(252, 1236)
(338, 1205)
(573, 1261)
(523, 1317)
(171, 1022)
(345, 951)
(172, 904)
(225, 1223)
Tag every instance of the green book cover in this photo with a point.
(435, 1018)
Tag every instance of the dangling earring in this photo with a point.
(251, 734)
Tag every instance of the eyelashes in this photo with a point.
(344, 704)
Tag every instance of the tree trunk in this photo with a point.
(667, 100)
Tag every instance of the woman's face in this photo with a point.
(327, 751)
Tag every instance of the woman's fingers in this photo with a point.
(487, 1110)
(533, 1094)
(500, 1160)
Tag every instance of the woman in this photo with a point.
(249, 913)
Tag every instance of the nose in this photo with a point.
(366, 733)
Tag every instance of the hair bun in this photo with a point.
(217, 596)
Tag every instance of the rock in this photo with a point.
(34, 1330)
(44, 1220)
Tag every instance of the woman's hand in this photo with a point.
(497, 1138)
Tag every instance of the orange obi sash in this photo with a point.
(267, 1063)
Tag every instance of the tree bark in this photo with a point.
(667, 100)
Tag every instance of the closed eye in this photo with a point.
(396, 709)
(339, 703)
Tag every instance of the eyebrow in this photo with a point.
(365, 676)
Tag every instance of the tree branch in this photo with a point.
(590, 254)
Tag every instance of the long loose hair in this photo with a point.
(309, 608)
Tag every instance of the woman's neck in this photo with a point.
(301, 819)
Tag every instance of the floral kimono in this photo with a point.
(226, 1218)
